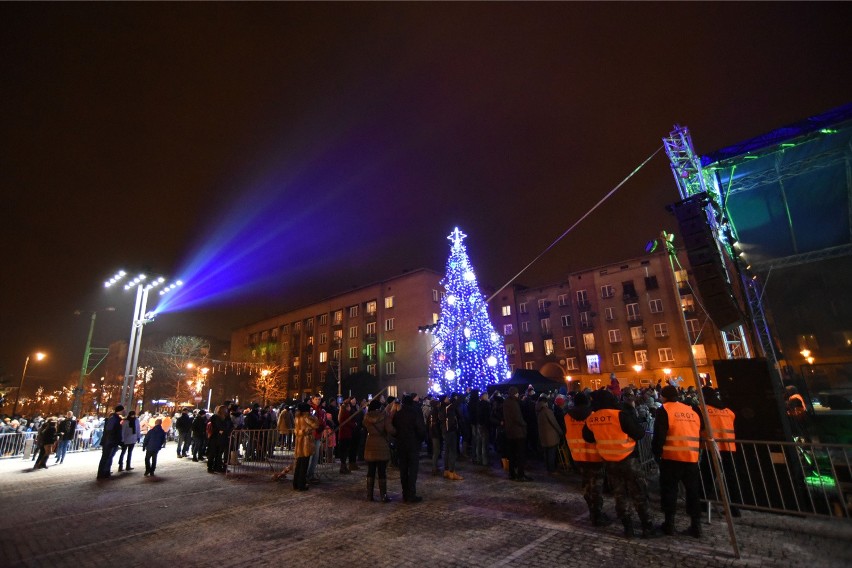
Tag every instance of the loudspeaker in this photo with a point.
(746, 388)
(766, 474)
(706, 262)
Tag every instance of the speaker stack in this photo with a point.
(706, 262)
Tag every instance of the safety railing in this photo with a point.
(20, 444)
(784, 477)
(266, 452)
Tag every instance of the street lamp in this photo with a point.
(39, 357)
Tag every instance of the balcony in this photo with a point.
(546, 334)
(587, 326)
(639, 341)
(544, 312)
(584, 305)
(634, 319)
(630, 298)
(370, 316)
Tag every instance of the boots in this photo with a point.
(648, 530)
(600, 519)
(627, 521)
(383, 491)
(668, 525)
(371, 486)
(694, 529)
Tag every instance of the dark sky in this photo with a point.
(306, 148)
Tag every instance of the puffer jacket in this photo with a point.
(378, 427)
(306, 425)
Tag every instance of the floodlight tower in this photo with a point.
(140, 318)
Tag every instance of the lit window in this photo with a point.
(507, 310)
(338, 334)
(589, 341)
(323, 356)
(371, 308)
(548, 347)
(389, 302)
(338, 317)
(528, 347)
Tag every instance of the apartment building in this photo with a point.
(372, 329)
(623, 318)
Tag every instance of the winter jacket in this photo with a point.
(549, 432)
(378, 427)
(155, 439)
(513, 421)
(409, 426)
(306, 426)
(130, 431)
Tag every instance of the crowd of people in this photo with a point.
(593, 432)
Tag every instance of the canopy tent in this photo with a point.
(522, 378)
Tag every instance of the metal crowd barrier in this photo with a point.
(20, 444)
(784, 477)
(264, 452)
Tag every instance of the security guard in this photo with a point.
(676, 448)
(615, 432)
(587, 459)
(722, 422)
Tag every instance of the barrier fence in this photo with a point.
(264, 452)
(784, 477)
(20, 444)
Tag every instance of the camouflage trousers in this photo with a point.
(628, 484)
(592, 479)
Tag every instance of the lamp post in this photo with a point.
(39, 357)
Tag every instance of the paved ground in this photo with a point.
(187, 517)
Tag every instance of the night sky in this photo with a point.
(279, 153)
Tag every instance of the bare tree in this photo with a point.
(179, 363)
(269, 384)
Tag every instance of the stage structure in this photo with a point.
(779, 209)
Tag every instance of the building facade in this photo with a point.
(372, 329)
(623, 318)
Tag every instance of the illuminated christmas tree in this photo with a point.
(466, 351)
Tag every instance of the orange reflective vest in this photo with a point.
(682, 438)
(612, 443)
(580, 449)
(722, 422)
